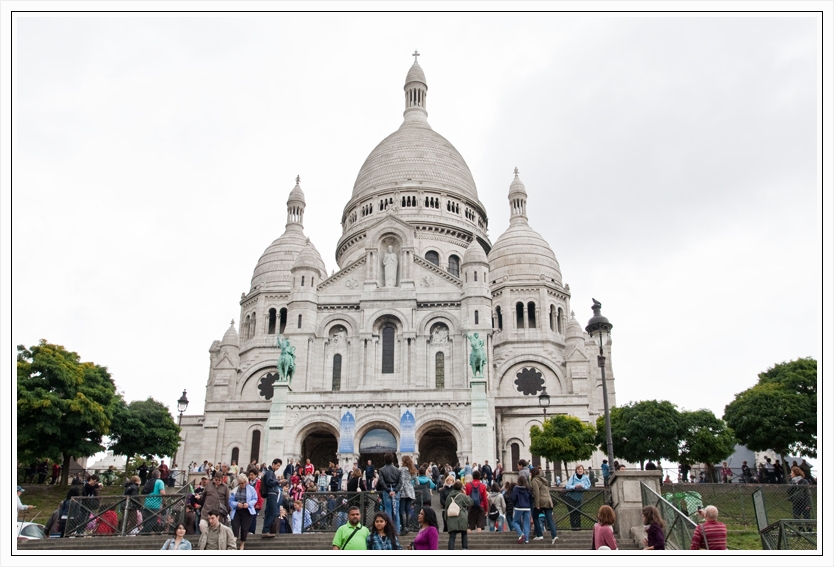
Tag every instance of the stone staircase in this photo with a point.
(568, 541)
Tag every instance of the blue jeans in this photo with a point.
(392, 507)
(271, 511)
(405, 512)
(521, 523)
(254, 522)
(500, 521)
(537, 521)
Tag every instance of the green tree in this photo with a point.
(64, 406)
(642, 431)
(780, 411)
(144, 428)
(564, 438)
(704, 439)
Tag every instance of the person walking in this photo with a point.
(497, 513)
(273, 493)
(448, 486)
(603, 536)
(428, 536)
(216, 497)
(216, 536)
(458, 504)
(799, 495)
(384, 535)
(653, 524)
(152, 513)
(178, 542)
(242, 508)
(353, 535)
(712, 534)
(476, 490)
(576, 486)
(543, 504)
(522, 503)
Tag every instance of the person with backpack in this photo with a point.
(543, 504)
(477, 491)
(271, 491)
(457, 505)
(522, 503)
(497, 510)
(154, 489)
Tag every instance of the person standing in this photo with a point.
(606, 472)
(496, 499)
(408, 474)
(56, 472)
(499, 472)
(543, 504)
(384, 535)
(163, 472)
(653, 524)
(255, 483)
(216, 536)
(389, 485)
(460, 522)
(143, 473)
(273, 493)
(798, 494)
(216, 497)
(486, 473)
(428, 536)
(712, 534)
(153, 504)
(242, 508)
(576, 486)
(353, 535)
(448, 487)
(476, 490)
(370, 472)
(522, 503)
(131, 490)
(603, 536)
(726, 473)
(178, 542)
(523, 470)
(21, 507)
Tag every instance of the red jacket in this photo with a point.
(481, 487)
(260, 503)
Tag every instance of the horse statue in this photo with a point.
(286, 362)
(477, 358)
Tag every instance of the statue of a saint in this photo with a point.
(286, 361)
(389, 262)
(477, 358)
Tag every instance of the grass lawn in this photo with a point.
(47, 498)
(743, 540)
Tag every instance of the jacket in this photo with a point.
(270, 480)
(425, 486)
(131, 489)
(251, 500)
(498, 499)
(482, 491)
(576, 486)
(460, 522)
(522, 498)
(226, 539)
(541, 493)
(216, 498)
(389, 479)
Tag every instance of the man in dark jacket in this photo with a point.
(486, 473)
(369, 475)
(273, 491)
(132, 489)
(389, 485)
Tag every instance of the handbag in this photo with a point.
(454, 509)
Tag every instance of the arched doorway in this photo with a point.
(374, 444)
(439, 446)
(320, 447)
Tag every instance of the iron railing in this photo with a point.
(124, 515)
(797, 533)
(578, 509)
(329, 510)
(679, 526)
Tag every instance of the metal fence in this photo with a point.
(701, 475)
(327, 511)
(679, 525)
(784, 534)
(125, 515)
(578, 509)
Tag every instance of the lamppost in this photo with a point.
(600, 329)
(544, 401)
(182, 405)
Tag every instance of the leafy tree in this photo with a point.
(564, 438)
(64, 406)
(642, 431)
(144, 428)
(704, 439)
(780, 412)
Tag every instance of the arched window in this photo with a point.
(255, 454)
(299, 321)
(552, 318)
(302, 281)
(560, 321)
(439, 371)
(312, 281)
(253, 322)
(337, 372)
(388, 349)
(246, 328)
(432, 257)
(454, 265)
(282, 322)
(531, 315)
(476, 316)
(500, 318)
(515, 453)
(519, 315)
(235, 454)
(273, 319)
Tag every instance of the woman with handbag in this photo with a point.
(457, 506)
(448, 486)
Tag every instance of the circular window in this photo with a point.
(529, 381)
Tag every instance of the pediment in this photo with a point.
(577, 355)
(344, 278)
(390, 223)
(428, 277)
(224, 363)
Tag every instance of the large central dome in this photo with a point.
(415, 153)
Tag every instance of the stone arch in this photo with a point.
(376, 421)
(226, 454)
(440, 420)
(247, 445)
(323, 328)
(439, 317)
(387, 316)
(309, 425)
(532, 358)
(255, 372)
(391, 228)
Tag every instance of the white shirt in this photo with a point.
(21, 505)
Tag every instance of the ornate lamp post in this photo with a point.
(600, 329)
(182, 405)
(544, 401)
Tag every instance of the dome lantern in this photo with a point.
(296, 204)
(518, 200)
(415, 92)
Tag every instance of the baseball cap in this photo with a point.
(20, 488)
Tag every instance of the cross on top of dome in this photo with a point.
(515, 171)
(297, 179)
(416, 55)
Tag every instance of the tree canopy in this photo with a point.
(64, 406)
(144, 428)
(704, 439)
(642, 431)
(780, 411)
(563, 439)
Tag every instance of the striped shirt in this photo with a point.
(715, 533)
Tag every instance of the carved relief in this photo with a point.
(427, 281)
(352, 283)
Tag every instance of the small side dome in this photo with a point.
(296, 195)
(231, 338)
(574, 330)
(415, 74)
(475, 254)
(310, 258)
(517, 186)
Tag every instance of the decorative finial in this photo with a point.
(516, 171)
(233, 322)
(297, 179)
(416, 55)
(572, 314)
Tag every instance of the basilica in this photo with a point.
(379, 353)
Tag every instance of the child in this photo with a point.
(300, 517)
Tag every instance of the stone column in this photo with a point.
(628, 500)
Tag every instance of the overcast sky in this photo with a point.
(670, 162)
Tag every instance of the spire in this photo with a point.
(295, 205)
(518, 200)
(415, 91)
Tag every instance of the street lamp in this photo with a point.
(600, 329)
(544, 401)
(182, 405)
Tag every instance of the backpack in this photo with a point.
(493, 512)
(476, 495)
(264, 488)
(149, 486)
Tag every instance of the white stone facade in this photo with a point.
(388, 330)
